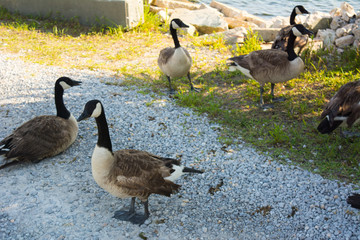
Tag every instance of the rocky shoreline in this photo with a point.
(337, 29)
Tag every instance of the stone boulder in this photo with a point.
(337, 22)
(327, 36)
(278, 22)
(240, 15)
(267, 34)
(336, 12)
(343, 31)
(347, 11)
(317, 20)
(236, 22)
(205, 21)
(172, 4)
(345, 41)
(356, 32)
(228, 11)
(233, 36)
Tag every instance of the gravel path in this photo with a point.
(241, 195)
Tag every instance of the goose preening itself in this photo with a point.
(354, 200)
(130, 173)
(43, 136)
(343, 109)
(281, 39)
(175, 62)
(272, 65)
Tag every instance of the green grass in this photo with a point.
(286, 132)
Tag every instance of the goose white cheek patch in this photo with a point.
(174, 25)
(298, 11)
(296, 32)
(64, 85)
(97, 111)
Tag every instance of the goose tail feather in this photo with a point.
(354, 200)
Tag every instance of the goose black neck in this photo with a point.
(290, 47)
(103, 132)
(292, 17)
(175, 37)
(61, 110)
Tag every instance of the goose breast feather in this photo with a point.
(174, 62)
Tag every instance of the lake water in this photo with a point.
(268, 9)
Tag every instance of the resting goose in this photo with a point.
(342, 109)
(272, 65)
(43, 136)
(175, 62)
(130, 173)
(354, 200)
(281, 38)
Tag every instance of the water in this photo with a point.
(269, 9)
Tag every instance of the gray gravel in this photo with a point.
(58, 198)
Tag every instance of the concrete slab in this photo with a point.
(127, 13)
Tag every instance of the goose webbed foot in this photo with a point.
(194, 89)
(279, 99)
(172, 91)
(267, 106)
(131, 215)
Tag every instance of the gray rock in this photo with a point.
(344, 41)
(205, 21)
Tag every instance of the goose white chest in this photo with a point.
(179, 64)
(102, 161)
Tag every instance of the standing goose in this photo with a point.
(130, 173)
(281, 39)
(175, 62)
(354, 200)
(43, 136)
(342, 109)
(272, 65)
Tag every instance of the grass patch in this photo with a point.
(286, 132)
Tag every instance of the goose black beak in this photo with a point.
(83, 116)
(183, 25)
(76, 83)
(309, 32)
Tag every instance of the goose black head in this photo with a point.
(299, 30)
(299, 9)
(66, 82)
(176, 23)
(92, 108)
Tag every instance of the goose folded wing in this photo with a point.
(142, 174)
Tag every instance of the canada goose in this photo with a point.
(281, 38)
(175, 62)
(354, 200)
(43, 136)
(130, 173)
(342, 109)
(272, 65)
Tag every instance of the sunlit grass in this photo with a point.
(286, 132)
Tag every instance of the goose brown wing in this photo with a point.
(263, 63)
(281, 38)
(345, 102)
(140, 174)
(41, 137)
(165, 55)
